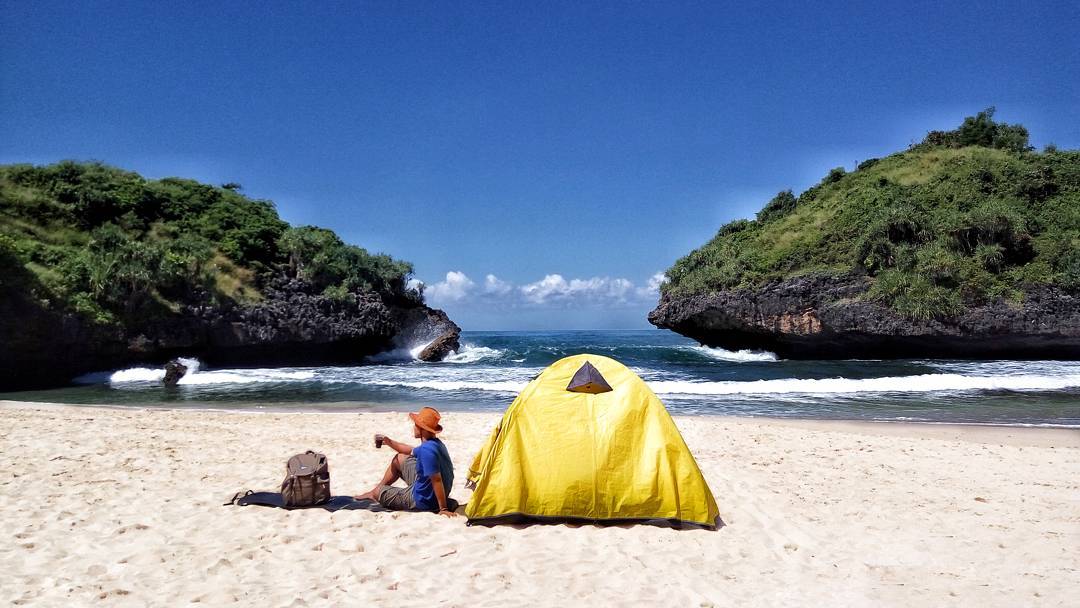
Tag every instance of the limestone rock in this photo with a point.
(294, 324)
(441, 347)
(829, 317)
(174, 371)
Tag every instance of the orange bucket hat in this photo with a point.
(428, 419)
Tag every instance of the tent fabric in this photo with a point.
(587, 379)
(609, 456)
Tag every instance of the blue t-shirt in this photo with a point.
(431, 458)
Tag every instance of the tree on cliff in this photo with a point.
(116, 248)
(319, 256)
(981, 130)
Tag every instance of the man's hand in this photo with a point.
(447, 513)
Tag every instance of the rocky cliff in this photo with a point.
(291, 326)
(832, 318)
(965, 245)
(102, 268)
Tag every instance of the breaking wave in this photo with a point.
(195, 377)
(398, 355)
(890, 384)
(736, 356)
(830, 386)
(513, 380)
(468, 353)
(490, 368)
(460, 385)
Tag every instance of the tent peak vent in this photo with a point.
(587, 379)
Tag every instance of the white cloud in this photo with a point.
(652, 287)
(454, 288)
(552, 291)
(493, 285)
(553, 288)
(552, 285)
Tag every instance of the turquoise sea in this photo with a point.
(492, 367)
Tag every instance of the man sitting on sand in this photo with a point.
(426, 469)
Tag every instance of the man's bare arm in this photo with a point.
(440, 495)
(397, 446)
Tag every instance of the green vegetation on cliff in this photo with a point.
(964, 217)
(115, 247)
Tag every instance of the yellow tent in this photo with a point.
(587, 439)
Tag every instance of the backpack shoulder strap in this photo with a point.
(238, 496)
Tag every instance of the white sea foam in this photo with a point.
(436, 377)
(245, 376)
(890, 384)
(195, 377)
(137, 374)
(478, 368)
(397, 355)
(460, 385)
(737, 356)
(414, 351)
(467, 353)
(470, 353)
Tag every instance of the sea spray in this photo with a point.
(735, 356)
(471, 353)
(467, 353)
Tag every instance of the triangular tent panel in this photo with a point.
(588, 380)
(610, 456)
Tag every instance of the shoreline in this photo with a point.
(1013, 434)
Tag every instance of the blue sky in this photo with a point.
(568, 151)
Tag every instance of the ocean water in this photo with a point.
(492, 367)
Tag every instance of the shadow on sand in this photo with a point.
(274, 499)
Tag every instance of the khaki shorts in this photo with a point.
(400, 499)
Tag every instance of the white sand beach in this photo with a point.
(123, 507)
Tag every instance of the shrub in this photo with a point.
(183, 264)
(993, 222)
(981, 130)
(1070, 273)
(914, 296)
(337, 293)
(937, 264)
(735, 226)
(318, 256)
(991, 256)
(875, 253)
(835, 175)
(1037, 185)
(780, 205)
(245, 230)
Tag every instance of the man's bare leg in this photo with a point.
(392, 474)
